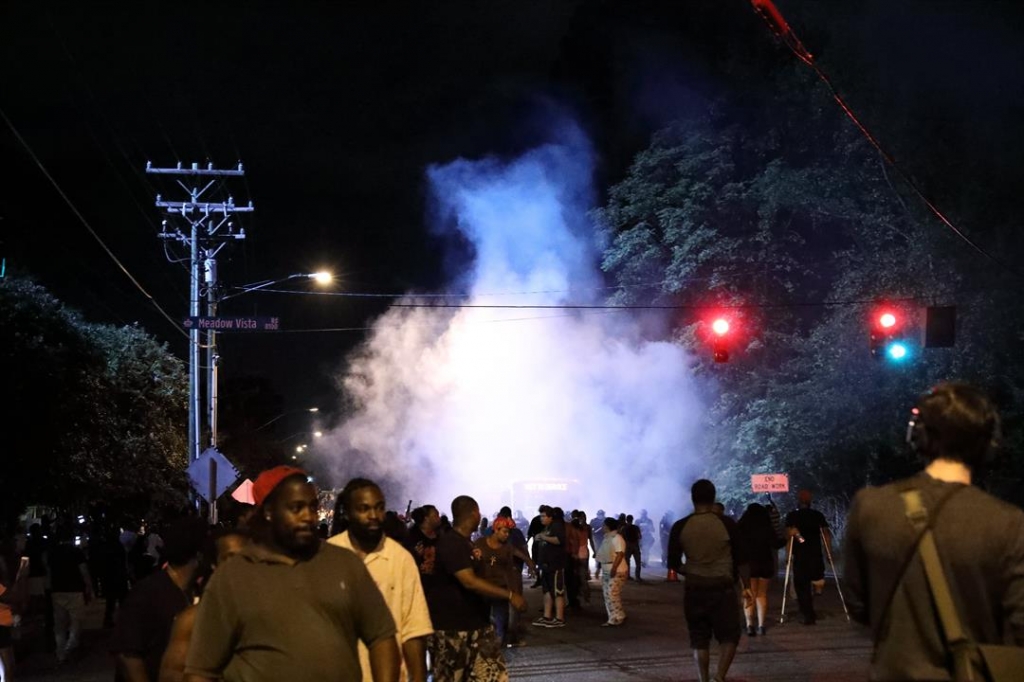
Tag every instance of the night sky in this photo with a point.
(336, 110)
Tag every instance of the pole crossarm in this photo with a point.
(194, 169)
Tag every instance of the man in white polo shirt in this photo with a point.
(393, 570)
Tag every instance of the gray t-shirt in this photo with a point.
(264, 617)
(981, 543)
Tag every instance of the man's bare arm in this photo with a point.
(384, 659)
(471, 581)
(133, 669)
(414, 652)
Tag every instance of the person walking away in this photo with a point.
(497, 566)
(221, 546)
(611, 556)
(572, 573)
(664, 528)
(632, 535)
(980, 542)
(393, 570)
(71, 586)
(112, 562)
(710, 544)
(597, 526)
(807, 527)
(14, 596)
(760, 546)
(646, 527)
(289, 607)
(147, 618)
(464, 646)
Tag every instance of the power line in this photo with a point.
(777, 24)
(74, 209)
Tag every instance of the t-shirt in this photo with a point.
(552, 556)
(707, 540)
(610, 546)
(65, 574)
(145, 620)
(452, 606)
(266, 617)
(495, 565)
(980, 541)
(631, 534)
(424, 552)
(809, 522)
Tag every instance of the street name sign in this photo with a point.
(233, 324)
(770, 483)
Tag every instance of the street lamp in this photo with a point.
(321, 278)
(285, 414)
(214, 297)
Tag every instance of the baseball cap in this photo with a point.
(270, 479)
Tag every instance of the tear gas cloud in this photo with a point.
(450, 401)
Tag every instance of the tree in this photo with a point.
(95, 412)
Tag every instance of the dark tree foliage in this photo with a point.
(94, 413)
(770, 205)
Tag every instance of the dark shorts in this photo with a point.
(552, 581)
(711, 611)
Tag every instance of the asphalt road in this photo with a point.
(652, 645)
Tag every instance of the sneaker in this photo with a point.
(751, 632)
(556, 623)
(543, 622)
(761, 631)
(610, 624)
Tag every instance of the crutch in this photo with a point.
(828, 553)
(785, 585)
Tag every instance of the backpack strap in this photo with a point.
(959, 644)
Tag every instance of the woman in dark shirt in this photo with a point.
(760, 544)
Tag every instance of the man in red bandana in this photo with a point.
(288, 607)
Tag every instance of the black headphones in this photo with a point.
(920, 442)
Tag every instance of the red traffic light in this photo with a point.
(886, 320)
(720, 326)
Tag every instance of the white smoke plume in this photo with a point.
(450, 401)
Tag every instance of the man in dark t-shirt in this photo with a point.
(422, 543)
(551, 560)
(980, 542)
(808, 528)
(71, 586)
(464, 645)
(145, 622)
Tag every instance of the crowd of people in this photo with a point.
(372, 595)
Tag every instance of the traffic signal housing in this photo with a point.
(720, 332)
(887, 327)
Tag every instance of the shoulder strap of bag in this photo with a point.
(913, 551)
(958, 642)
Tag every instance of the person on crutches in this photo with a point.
(808, 531)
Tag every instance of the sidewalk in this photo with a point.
(92, 664)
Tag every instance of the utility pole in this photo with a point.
(210, 229)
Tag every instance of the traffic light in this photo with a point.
(720, 331)
(886, 331)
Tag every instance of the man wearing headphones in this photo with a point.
(980, 541)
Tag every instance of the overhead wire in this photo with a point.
(78, 214)
(778, 25)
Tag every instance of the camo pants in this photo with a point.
(467, 656)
